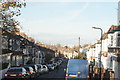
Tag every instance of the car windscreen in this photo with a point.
(39, 66)
(33, 67)
(27, 69)
(14, 70)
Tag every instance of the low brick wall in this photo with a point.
(105, 74)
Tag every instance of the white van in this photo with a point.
(77, 69)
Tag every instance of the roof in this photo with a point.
(77, 61)
(18, 53)
(114, 28)
(5, 51)
(15, 67)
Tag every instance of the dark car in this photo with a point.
(18, 72)
(77, 69)
(55, 65)
(34, 67)
(50, 67)
(40, 69)
(29, 70)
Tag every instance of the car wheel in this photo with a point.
(23, 77)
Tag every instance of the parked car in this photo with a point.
(18, 72)
(29, 71)
(58, 63)
(77, 69)
(45, 68)
(34, 66)
(40, 68)
(50, 67)
(55, 65)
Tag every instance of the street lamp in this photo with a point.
(100, 49)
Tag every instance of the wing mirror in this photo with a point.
(65, 70)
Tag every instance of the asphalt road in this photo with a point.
(58, 73)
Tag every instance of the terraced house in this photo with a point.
(19, 49)
(110, 55)
(114, 49)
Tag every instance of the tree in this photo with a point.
(75, 48)
(79, 56)
(10, 9)
(66, 47)
(48, 57)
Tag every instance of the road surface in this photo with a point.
(57, 74)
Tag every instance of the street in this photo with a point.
(37, 41)
(58, 73)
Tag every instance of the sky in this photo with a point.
(64, 21)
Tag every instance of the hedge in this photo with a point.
(3, 65)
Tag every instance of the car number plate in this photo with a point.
(13, 75)
(73, 75)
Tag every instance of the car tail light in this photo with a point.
(30, 72)
(88, 76)
(20, 74)
(5, 75)
(66, 75)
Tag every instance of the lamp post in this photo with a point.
(100, 49)
(79, 44)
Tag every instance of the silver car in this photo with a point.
(45, 68)
(40, 68)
